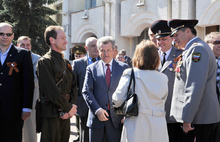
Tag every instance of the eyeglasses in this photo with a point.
(7, 34)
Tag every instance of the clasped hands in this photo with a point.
(71, 113)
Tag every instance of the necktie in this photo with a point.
(164, 58)
(93, 59)
(218, 77)
(108, 79)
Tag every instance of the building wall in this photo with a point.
(125, 20)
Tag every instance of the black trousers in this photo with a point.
(83, 129)
(10, 129)
(176, 133)
(207, 132)
(55, 130)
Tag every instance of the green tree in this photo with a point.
(29, 18)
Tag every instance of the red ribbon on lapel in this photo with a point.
(12, 66)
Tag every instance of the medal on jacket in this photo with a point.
(12, 67)
(179, 63)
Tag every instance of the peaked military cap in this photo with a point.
(176, 24)
(160, 28)
(78, 50)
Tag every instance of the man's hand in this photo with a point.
(65, 116)
(187, 127)
(101, 114)
(25, 115)
(73, 111)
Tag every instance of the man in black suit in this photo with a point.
(79, 69)
(127, 59)
(16, 86)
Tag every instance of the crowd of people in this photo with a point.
(177, 86)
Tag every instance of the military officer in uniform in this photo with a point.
(167, 54)
(78, 51)
(58, 90)
(194, 101)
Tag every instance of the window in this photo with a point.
(59, 16)
(212, 29)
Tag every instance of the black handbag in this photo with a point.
(130, 105)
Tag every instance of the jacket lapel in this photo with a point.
(114, 71)
(12, 52)
(101, 68)
(169, 59)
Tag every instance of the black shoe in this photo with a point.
(76, 140)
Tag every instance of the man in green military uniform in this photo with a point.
(58, 88)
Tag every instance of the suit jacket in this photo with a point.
(16, 90)
(35, 59)
(128, 61)
(194, 96)
(97, 94)
(151, 89)
(79, 70)
(168, 69)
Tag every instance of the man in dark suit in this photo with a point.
(79, 69)
(127, 59)
(29, 128)
(195, 102)
(100, 82)
(167, 54)
(16, 86)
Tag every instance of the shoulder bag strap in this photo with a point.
(64, 73)
(133, 78)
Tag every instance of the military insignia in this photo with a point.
(196, 57)
(69, 67)
(171, 67)
(159, 32)
(77, 51)
(179, 58)
(77, 46)
(12, 67)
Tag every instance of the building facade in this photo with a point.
(128, 20)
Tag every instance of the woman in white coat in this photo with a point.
(152, 89)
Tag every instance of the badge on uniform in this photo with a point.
(196, 56)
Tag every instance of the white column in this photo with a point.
(66, 25)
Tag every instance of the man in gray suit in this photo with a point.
(195, 102)
(79, 69)
(167, 54)
(29, 128)
(100, 82)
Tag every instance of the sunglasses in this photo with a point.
(7, 34)
(215, 42)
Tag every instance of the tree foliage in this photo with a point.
(29, 18)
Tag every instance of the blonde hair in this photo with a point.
(23, 38)
(210, 36)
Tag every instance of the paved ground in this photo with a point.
(72, 130)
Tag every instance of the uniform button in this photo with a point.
(0, 84)
(1, 72)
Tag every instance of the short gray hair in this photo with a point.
(90, 39)
(105, 40)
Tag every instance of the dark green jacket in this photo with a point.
(50, 69)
